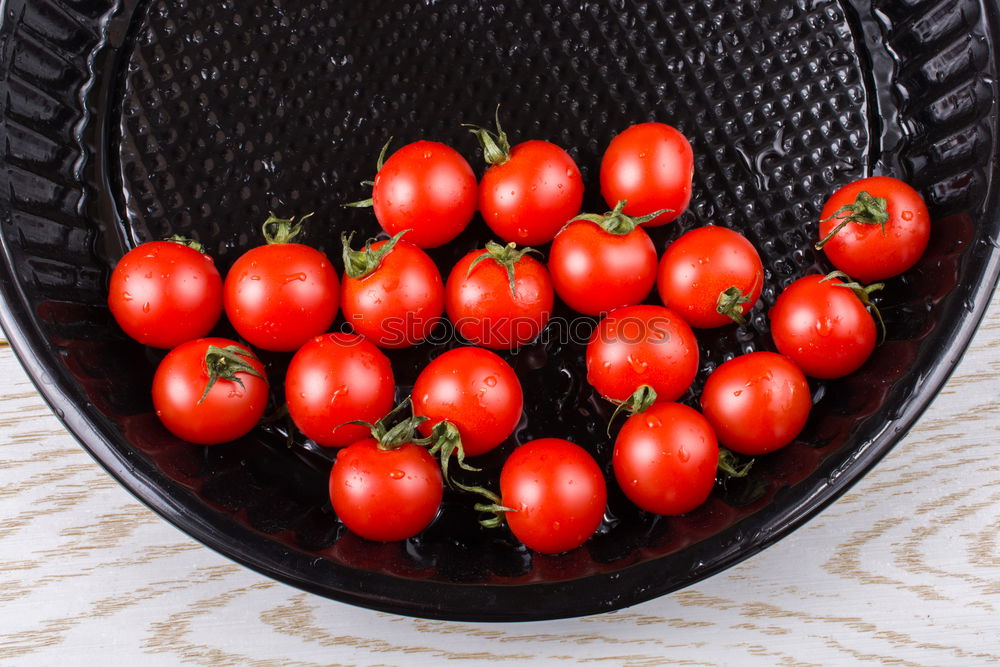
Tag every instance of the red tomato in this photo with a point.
(529, 191)
(639, 345)
(279, 295)
(164, 293)
(600, 264)
(863, 249)
(665, 459)
(385, 494)
(427, 188)
(475, 390)
(232, 406)
(650, 166)
(557, 494)
(334, 379)
(710, 276)
(486, 309)
(823, 327)
(396, 299)
(756, 402)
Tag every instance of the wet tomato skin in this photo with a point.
(823, 328)
(164, 293)
(700, 265)
(398, 304)
(642, 345)
(427, 188)
(557, 494)
(228, 412)
(595, 271)
(278, 296)
(756, 403)
(862, 251)
(336, 378)
(528, 198)
(665, 459)
(650, 166)
(485, 312)
(385, 495)
(475, 390)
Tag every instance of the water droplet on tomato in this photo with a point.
(490, 381)
(522, 232)
(148, 276)
(126, 296)
(824, 326)
(738, 392)
(653, 422)
(295, 276)
(683, 456)
(396, 474)
(906, 215)
(638, 365)
(145, 307)
(254, 277)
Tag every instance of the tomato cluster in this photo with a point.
(388, 479)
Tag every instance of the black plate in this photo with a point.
(128, 121)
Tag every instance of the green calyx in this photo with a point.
(493, 506)
(282, 230)
(640, 401)
(616, 221)
(504, 255)
(368, 203)
(731, 300)
(361, 263)
(495, 145)
(223, 363)
(183, 240)
(396, 435)
(443, 442)
(862, 292)
(866, 210)
(730, 465)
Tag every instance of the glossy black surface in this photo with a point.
(128, 122)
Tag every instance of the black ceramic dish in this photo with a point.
(127, 121)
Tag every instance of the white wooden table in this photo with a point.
(904, 569)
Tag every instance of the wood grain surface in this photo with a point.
(903, 570)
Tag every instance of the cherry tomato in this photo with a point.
(336, 378)
(385, 494)
(475, 390)
(529, 191)
(235, 400)
(279, 295)
(557, 494)
(164, 293)
(710, 276)
(823, 327)
(427, 188)
(639, 345)
(665, 459)
(862, 248)
(599, 263)
(756, 402)
(650, 166)
(392, 293)
(499, 297)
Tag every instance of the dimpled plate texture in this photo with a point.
(129, 121)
